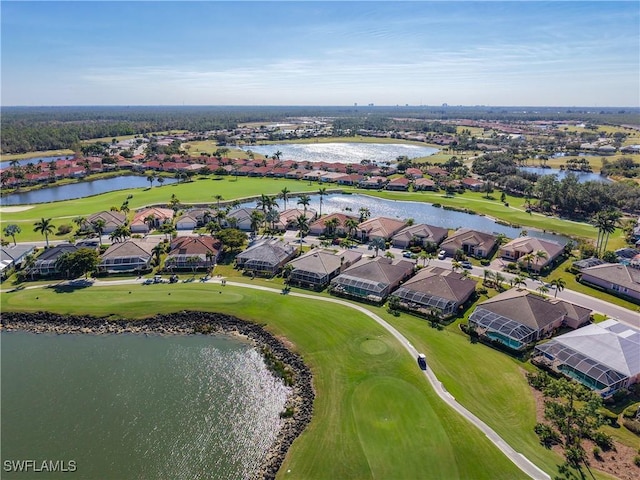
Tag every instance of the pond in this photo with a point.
(420, 212)
(78, 190)
(138, 406)
(582, 176)
(343, 152)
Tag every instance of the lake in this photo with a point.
(25, 161)
(420, 212)
(343, 152)
(138, 406)
(79, 190)
(582, 176)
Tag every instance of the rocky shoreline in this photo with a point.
(299, 402)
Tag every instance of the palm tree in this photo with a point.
(322, 192)
(150, 179)
(559, 284)
(150, 220)
(304, 200)
(351, 224)
(98, 227)
(389, 254)
(518, 281)
(11, 231)
(425, 257)
(377, 243)
(364, 214)
(266, 203)
(302, 222)
(284, 195)
(543, 289)
(540, 255)
(499, 278)
(218, 198)
(456, 265)
(277, 155)
(160, 180)
(157, 251)
(256, 220)
(528, 258)
(45, 227)
(331, 226)
(211, 228)
(272, 216)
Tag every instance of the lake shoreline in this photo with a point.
(300, 400)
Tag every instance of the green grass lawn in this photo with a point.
(375, 416)
(45, 153)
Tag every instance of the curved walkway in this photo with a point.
(517, 458)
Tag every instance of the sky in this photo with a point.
(320, 53)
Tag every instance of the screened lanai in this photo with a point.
(418, 300)
(504, 330)
(360, 287)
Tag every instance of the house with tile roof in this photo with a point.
(420, 234)
(319, 226)
(519, 250)
(399, 184)
(616, 278)
(424, 184)
(436, 290)
(133, 255)
(372, 279)
(518, 318)
(112, 220)
(160, 217)
(602, 356)
(470, 242)
(193, 253)
(289, 217)
(239, 218)
(316, 268)
(380, 227)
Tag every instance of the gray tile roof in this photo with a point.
(442, 283)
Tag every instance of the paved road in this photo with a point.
(517, 458)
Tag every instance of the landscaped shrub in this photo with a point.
(631, 425)
(636, 460)
(64, 229)
(631, 411)
(484, 262)
(437, 205)
(547, 435)
(538, 380)
(609, 417)
(604, 441)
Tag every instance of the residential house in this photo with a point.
(133, 255)
(470, 242)
(602, 356)
(424, 184)
(398, 184)
(420, 235)
(160, 216)
(524, 250)
(289, 217)
(372, 279)
(12, 256)
(473, 184)
(316, 268)
(194, 218)
(375, 181)
(380, 227)
(240, 218)
(517, 318)
(437, 290)
(615, 278)
(319, 226)
(413, 173)
(193, 253)
(112, 220)
(45, 263)
(266, 257)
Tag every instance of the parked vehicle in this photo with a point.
(173, 278)
(422, 361)
(442, 255)
(407, 254)
(466, 264)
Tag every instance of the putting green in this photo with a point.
(374, 347)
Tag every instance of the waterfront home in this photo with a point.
(289, 217)
(413, 173)
(319, 226)
(372, 279)
(12, 256)
(473, 184)
(380, 227)
(193, 253)
(45, 263)
(470, 242)
(350, 179)
(419, 235)
(133, 255)
(316, 268)
(517, 318)
(398, 184)
(602, 356)
(140, 224)
(524, 250)
(437, 290)
(375, 181)
(615, 278)
(265, 257)
(194, 218)
(112, 220)
(424, 184)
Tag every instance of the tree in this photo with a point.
(150, 221)
(389, 254)
(257, 217)
(304, 200)
(174, 203)
(364, 214)
(351, 224)
(150, 179)
(232, 238)
(272, 217)
(543, 289)
(605, 221)
(12, 230)
(157, 251)
(218, 199)
(573, 411)
(331, 226)
(518, 281)
(284, 195)
(167, 229)
(266, 203)
(425, 257)
(45, 227)
(98, 227)
(80, 262)
(376, 244)
(121, 233)
(540, 255)
(528, 258)
(322, 192)
(160, 180)
(302, 223)
(559, 284)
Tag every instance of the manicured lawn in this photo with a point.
(375, 416)
(44, 153)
